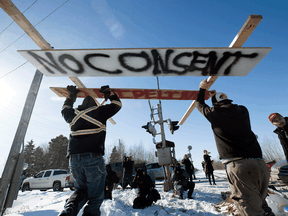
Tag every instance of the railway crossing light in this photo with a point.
(150, 129)
(172, 125)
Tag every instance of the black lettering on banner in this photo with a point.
(62, 59)
(177, 64)
(212, 66)
(87, 61)
(143, 55)
(207, 63)
(210, 63)
(238, 55)
(53, 64)
(165, 67)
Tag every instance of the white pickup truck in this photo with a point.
(57, 179)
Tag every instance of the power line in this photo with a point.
(14, 69)
(34, 26)
(34, 113)
(23, 13)
(25, 34)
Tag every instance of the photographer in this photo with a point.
(180, 178)
(86, 147)
(146, 192)
(127, 171)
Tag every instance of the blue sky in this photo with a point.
(144, 24)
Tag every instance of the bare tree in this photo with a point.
(150, 156)
(121, 150)
(107, 155)
(271, 150)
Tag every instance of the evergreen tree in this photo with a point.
(114, 157)
(57, 153)
(29, 158)
(40, 163)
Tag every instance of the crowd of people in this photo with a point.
(237, 146)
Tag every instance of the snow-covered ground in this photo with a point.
(49, 203)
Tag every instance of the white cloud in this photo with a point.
(109, 19)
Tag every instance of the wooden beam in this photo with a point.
(144, 94)
(22, 21)
(29, 29)
(246, 30)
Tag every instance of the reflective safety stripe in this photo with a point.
(82, 114)
(66, 106)
(117, 103)
(88, 131)
(79, 114)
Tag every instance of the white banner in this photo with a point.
(146, 61)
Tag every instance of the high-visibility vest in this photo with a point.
(82, 114)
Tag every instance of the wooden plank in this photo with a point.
(246, 30)
(123, 93)
(146, 61)
(30, 30)
(22, 21)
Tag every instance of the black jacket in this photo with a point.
(283, 137)
(208, 163)
(187, 164)
(128, 166)
(180, 177)
(90, 142)
(111, 178)
(232, 130)
(143, 183)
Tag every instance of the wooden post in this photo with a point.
(246, 30)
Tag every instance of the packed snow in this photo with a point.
(50, 203)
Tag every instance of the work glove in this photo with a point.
(106, 91)
(72, 92)
(204, 84)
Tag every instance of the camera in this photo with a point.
(125, 158)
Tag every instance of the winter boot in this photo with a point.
(267, 209)
(189, 195)
(71, 206)
(70, 210)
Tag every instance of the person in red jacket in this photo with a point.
(85, 149)
(239, 150)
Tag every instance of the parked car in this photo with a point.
(157, 170)
(55, 179)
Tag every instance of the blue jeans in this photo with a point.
(125, 177)
(89, 174)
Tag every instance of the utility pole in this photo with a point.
(15, 159)
(13, 168)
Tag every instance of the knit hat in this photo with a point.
(272, 116)
(219, 96)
